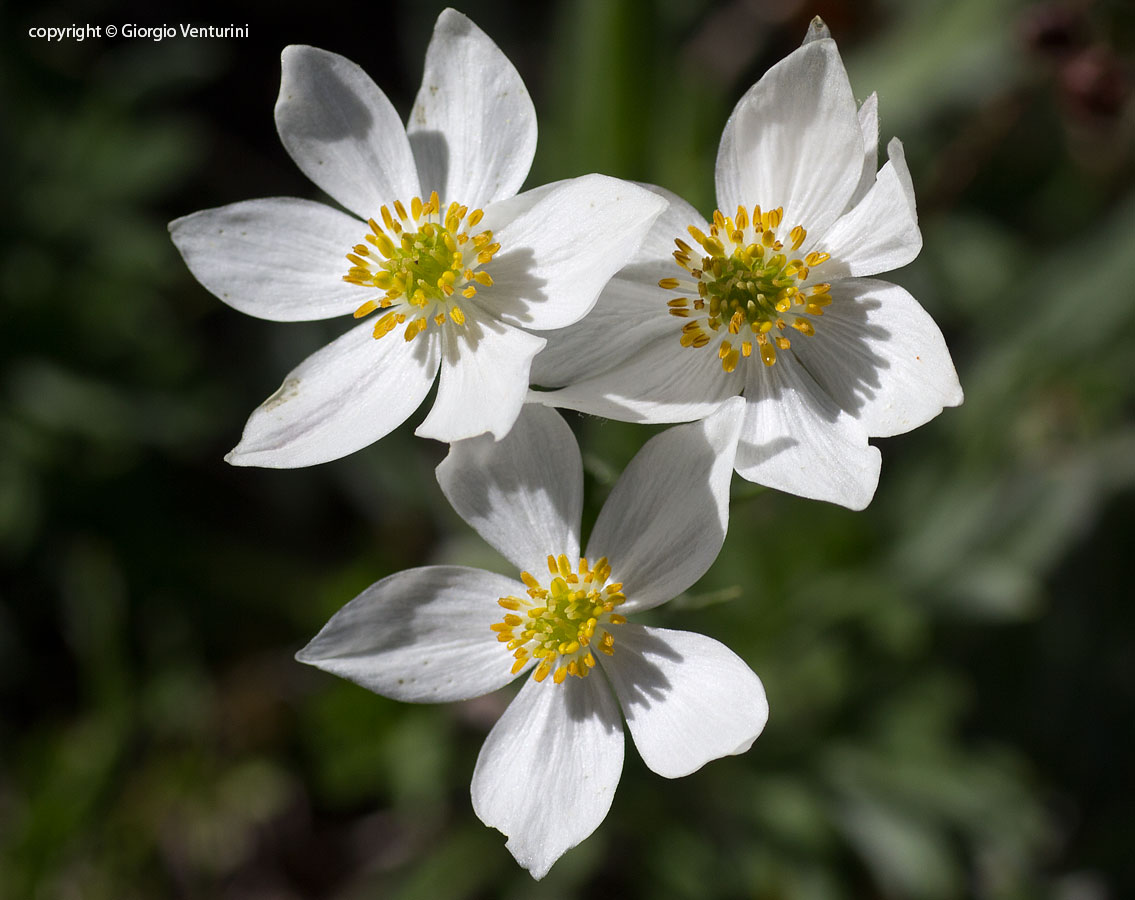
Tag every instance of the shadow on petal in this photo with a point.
(431, 155)
(840, 356)
(642, 683)
(352, 117)
(515, 286)
(580, 704)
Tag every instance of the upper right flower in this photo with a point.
(771, 298)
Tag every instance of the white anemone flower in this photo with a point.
(548, 770)
(458, 271)
(772, 299)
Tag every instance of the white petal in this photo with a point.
(280, 258)
(484, 377)
(796, 439)
(880, 356)
(473, 127)
(549, 768)
(665, 519)
(342, 132)
(522, 494)
(660, 382)
(338, 400)
(794, 141)
(631, 310)
(673, 222)
(421, 636)
(881, 232)
(557, 254)
(687, 698)
(869, 124)
(629, 314)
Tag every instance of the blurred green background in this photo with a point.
(950, 672)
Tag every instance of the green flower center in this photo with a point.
(747, 288)
(423, 262)
(559, 625)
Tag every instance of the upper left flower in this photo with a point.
(458, 269)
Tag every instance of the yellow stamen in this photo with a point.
(421, 271)
(557, 624)
(748, 288)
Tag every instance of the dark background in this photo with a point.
(950, 672)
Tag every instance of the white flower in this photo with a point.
(457, 269)
(771, 300)
(548, 770)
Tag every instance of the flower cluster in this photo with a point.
(760, 327)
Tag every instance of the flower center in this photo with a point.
(423, 262)
(746, 286)
(560, 624)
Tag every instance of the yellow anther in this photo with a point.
(542, 671)
(366, 309)
(387, 220)
(416, 208)
(483, 278)
(385, 245)
(804, 327)
(509, 602)
(746, 349)
(742, 218)
(457, 315)
(814, 259)
(782, 343)
(474, 218)
(768, 352)
(385, 325)
(798, 234)
(668, 284)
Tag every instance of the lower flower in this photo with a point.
(547, 773)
